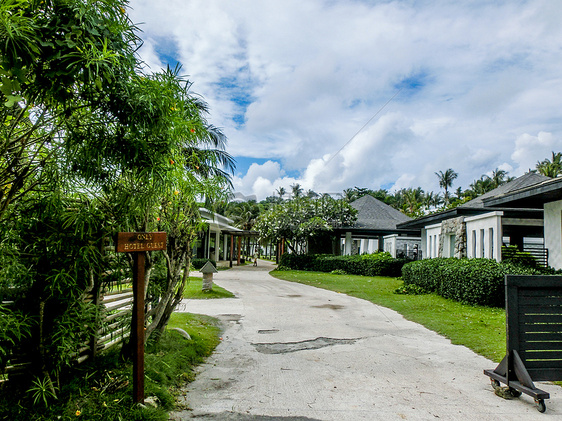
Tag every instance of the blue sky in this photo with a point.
(470, 85)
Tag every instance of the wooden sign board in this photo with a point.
(140, 241)
(137, 243)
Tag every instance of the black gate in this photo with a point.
(534, 336)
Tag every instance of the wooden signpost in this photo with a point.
(138, 243)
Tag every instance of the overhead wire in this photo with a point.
(364, 125)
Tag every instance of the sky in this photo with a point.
(336, 94)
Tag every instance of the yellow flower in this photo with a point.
(78, 413)
(176, 192)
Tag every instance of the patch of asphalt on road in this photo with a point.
(233, 416)
(330, 306)
(286, 347)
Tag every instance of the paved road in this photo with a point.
(294, 352)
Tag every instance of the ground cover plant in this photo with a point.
(479, 328)
(103, 391)
(193, 290)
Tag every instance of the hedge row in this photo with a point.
(377, 264)
(470, 281)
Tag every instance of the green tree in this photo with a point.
(298, 220)
(551, 168)
(90, 147)
(296, 190)
(446, 181)
(281, 192)
(58, 58)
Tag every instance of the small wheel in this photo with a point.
(541, 407)
(514, 392)
(495, 383)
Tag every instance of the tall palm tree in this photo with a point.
(350, 195)
(281, 192)
(296, 190)
(445, 181)
(498, 177)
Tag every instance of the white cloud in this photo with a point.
(531, 149)
(294, 81)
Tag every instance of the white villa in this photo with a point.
(478, 230)
(546, 196)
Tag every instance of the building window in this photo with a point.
(452, 240)
(482, 248)
(474, 243)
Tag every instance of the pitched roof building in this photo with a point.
(376, 229)
(475, 229)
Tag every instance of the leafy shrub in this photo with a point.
(376, 264)
(338, 272)
(470, 281)
(512, 254)
(198, 263)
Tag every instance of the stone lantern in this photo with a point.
(207, 270)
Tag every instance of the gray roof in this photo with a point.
(526, 180)
(534, 196)
(376, 215)
(478, 206)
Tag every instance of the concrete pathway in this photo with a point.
(295, 352)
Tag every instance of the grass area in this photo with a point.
(193, 290)
(102, 390)
(481, 329)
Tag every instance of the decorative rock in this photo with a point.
(182, 333)
(151, 401)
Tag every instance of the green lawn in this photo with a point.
(481, 329)
(193, 290)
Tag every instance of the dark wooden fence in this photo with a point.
(115, 301)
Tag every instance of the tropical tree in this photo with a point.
(281, 192)
(58, 58)
(90, 146)
(551, 168)
(446, 181)
(296, 190)
(350, 195)
(303, 219)
(245, 214)
(498, 177)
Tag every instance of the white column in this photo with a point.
(217, 245)
(348, 240)
(365, 246)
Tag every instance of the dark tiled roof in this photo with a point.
(376, 215)
(519, 183)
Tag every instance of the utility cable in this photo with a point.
(364, 125)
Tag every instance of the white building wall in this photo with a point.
(431, 241)
(484, 236)
(390, 244)
(553, 233)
